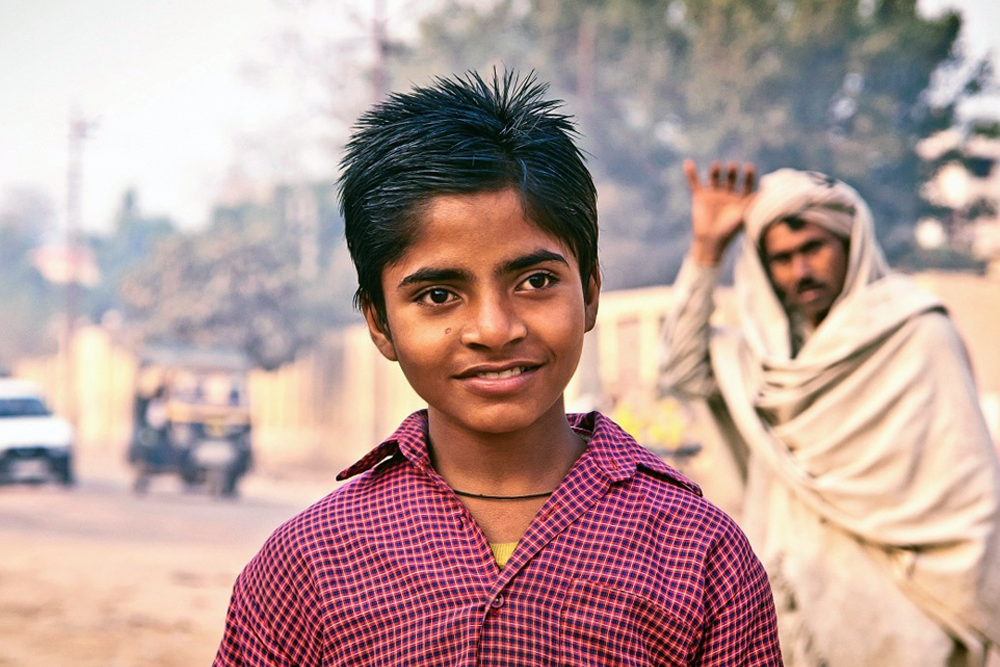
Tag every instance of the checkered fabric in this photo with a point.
(626, 564)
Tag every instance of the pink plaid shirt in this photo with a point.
(626, 564)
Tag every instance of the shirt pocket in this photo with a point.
(600, 625)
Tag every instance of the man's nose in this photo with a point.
(801, 268)
(493, 322)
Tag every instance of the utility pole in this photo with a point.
(79, 129)
(586, 46)
(380, 39)
(302, 215)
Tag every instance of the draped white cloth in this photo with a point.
(873, 494)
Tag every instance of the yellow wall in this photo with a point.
(341, 398)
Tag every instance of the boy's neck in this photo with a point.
(530, 460)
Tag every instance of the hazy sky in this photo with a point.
(165, 83)
(168, 88)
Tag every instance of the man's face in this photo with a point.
(486, 315)
(807, 267)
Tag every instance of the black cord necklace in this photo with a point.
(485, 496)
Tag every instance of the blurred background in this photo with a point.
(167, 189)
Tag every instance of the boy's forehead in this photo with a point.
(473, 225)
(478, 202)
(478, 214)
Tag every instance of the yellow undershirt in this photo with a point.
(502, 552)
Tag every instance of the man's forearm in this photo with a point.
(685, 366)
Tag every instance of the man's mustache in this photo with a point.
(808, 284)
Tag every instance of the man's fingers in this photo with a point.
(714, 170)
(749, 178)
(726, 178)
(732, 171)
(691, 173)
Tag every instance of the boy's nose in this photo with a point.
(494, 323)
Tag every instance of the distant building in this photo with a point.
(968, 184)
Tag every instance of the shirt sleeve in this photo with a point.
(741, 623)
(685, 368)
(272, 619)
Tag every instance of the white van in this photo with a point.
(34, 443)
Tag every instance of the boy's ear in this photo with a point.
(591, 296)
(379, 331)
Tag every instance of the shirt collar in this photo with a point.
(610, 448)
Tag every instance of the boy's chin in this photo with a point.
(503, 419)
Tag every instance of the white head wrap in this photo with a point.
(815, 198)
(807, 195)
(873, 426)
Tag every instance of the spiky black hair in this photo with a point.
(459, 136)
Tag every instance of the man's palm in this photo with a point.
(717, 207)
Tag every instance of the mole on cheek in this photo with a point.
(447, 331)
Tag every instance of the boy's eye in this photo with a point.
(537, 281)
(436, 296)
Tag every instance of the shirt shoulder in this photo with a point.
(670, 507)
(334, 517)
(619, 455)
(653, 540)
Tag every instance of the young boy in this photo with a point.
(492, 528)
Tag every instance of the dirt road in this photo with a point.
(94, 576)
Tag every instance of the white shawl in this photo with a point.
(873, 429)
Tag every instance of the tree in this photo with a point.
(229, 286)
(831, 85)
(131, 243)
(266, 278)
(28, 302)
(961, 232)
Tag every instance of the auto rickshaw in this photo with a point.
(191, 418)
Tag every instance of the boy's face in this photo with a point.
(486, 314)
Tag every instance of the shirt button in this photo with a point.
(497, 602)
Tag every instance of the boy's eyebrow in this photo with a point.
(429, 275)
(432, 275)
(531, 259)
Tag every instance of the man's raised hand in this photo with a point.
(717, 207)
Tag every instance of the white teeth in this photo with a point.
(502, 375)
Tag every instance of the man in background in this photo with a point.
(873, 489)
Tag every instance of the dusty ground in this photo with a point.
(94, 576)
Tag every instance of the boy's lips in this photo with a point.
(498, 381)
(501, 375)
(497, 371)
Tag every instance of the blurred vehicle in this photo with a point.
(192, 418)
(35, 445)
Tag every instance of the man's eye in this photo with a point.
(538, 281)
(436, 296)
